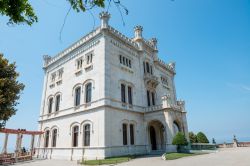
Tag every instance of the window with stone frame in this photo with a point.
(77, 96)
(130, 95)
(54, 137)
(89, 58)
(88, 91)
(87, 135)
(50, 105)
(58, 98)
(148, 97)
(75, 135)
(153, 98)
(53, 77)
(79, 63)
(132, 134)
(46, 141)
(125, 133)
(125, 61)
(123, 93)
(60, 73)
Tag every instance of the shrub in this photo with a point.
(192, 137)
(179, 140)
(201, 138)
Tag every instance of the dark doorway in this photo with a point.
(153, 138)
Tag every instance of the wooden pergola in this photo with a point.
(19, 133)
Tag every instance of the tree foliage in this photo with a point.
(18, 11)
(21, 11)
(180, 139)
(202, 138)
(10, 90)
(192, 137)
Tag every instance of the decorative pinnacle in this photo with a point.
(138, 32)
(104, 16)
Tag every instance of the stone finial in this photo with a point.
(153, 41)
(46, 59)
(104, 16)
(172, 65)
(138, 32)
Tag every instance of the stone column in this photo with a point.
(5, 143)
(32, 144)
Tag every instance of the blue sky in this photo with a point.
(208, 39)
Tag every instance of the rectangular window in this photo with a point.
(123, 60)
(153, 98)
(148, 97)
(151, 70)
(53, 77)
(125, 135)
(129, 63)
(79, 63)
(132, 137)
(123, 95)
(57, 102)
(75, 136)
(130, 99)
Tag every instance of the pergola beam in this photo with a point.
(20, 131)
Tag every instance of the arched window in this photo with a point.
(87, 135)
(147, 67)
(54, 137)
(123, 94)
(153, 98)
(58, 97)
(77, 96)
(125, 134)
(75, 134)
(132, 135)
(176, 128)
(50, 105)
(148, 98)
(46, 143)
(130, 95)
(88, 91)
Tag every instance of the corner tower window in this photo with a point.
(50, 105)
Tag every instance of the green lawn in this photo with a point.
(111, 160)
(173, 156)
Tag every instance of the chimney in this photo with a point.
(104, 16)
(138, 32)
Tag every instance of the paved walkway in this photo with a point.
(225, 157)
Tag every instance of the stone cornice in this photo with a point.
(72, 48)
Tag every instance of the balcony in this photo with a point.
(167, 104)
(151, 80)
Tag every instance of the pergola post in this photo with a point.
(32, 144)
(20, 143)
(17, 145)
(5, 143)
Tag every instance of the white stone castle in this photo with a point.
(109, 95)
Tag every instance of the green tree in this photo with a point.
(179, 140)
(202, 138)
(21, 11)
(192, 137)
(10, 90)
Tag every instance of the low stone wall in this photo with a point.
(232, 145)
(202, 146)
